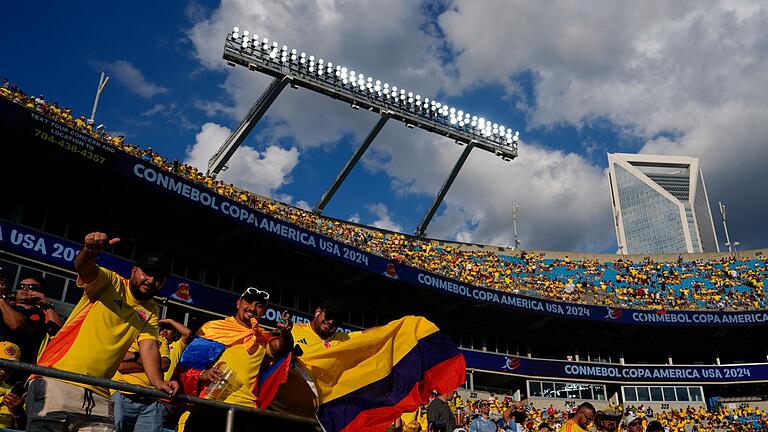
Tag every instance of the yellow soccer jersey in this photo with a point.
(101, 328)
(309, 341)
(245, 365)
(571, 426)
(176, 349)
(6, 417)
(140, 378)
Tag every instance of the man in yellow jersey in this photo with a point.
(298, 395)
(113, 313)
(240, 345)
(132, 411)
(585, 413)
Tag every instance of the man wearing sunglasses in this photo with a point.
(297, 395)
(483, 423)
(225, 359)
(113, 313)
(40, 320)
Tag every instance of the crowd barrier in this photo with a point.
(297, 422)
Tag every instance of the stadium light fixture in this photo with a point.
(352, 86)
(299, 69)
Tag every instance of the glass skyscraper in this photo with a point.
(660, 204)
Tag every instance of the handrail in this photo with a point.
(154, 393)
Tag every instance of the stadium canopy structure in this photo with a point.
(288, 66)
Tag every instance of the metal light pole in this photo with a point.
(514, 224)
(725, 228)
(102, 82)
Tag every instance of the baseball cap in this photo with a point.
(334, 309)
(630, 418)
(155, 264)
(10, 351)
(36, 276)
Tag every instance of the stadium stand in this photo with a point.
(723, 283)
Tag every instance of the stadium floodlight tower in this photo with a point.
(289, 66)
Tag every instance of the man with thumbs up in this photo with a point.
(113, 313)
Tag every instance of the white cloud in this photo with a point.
(564, 200)
(213, 108)
(132, 78)
(303, 205)
(383, 218)
(354, 218)
(259, 172)
(171, 114)
(692, 68)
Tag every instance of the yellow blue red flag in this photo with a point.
(367, 382)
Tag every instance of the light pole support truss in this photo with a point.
(219, 160)
(422, 229)
(350, 164)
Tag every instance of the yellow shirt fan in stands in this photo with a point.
(101, 328)
(246, 365)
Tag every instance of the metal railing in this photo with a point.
(154, 393)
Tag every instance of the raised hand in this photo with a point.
(285, 324)
(95, 242)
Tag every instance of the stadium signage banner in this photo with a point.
(67, 139)
(61, 253)
(28, 124)
(301, 237)
(540, 368)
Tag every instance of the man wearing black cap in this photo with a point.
(297, 395)
(323, 331)
(113, 313)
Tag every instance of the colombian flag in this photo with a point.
(367, 382)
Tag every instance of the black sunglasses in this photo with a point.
(250, 294)
(33, 287)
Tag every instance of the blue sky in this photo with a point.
(577, 81)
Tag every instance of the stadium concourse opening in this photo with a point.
(521, 348)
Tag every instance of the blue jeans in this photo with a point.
(135, 413)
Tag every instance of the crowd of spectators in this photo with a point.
(744, 418)
(719, 284)
(530, 417)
